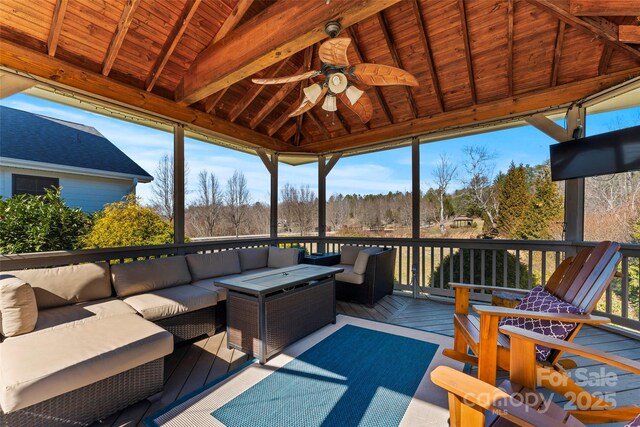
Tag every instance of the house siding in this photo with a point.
(88, 193)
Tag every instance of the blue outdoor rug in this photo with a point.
(355, 376)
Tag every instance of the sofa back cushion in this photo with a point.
(349, 254)
(143, 276)
(282, 257)
(18, 307)
(204, 266)
(71, 284)
(252, 258)
(360, 266)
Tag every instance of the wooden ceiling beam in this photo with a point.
(605, 58)
(169, 46)
(288, 133)
(282, 119)
(263, 41)
(382, 22)
(381, 101)
(424, 39)
(316, 121)
(118, 37)
(308, 55)
(605, 30)
(53, 69)
(604, 7)
(531, 102)
(467, 51)
(510, 12)
(254, 91)
(341, 121)
(232, 20)
(557, 53)
(56, 26)
(212, 100)
(629, 33)
(276, 99)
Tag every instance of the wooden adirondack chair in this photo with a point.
(580, 280)
(473, 403)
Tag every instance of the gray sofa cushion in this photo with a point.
(67, 285)
(41, 365)
(282, 257)
(169, 302)
(360, 266)
(18, 307)
(91, 310)
(349, 254)
(143, 276)
(348, 275)
(252, 258)
(203, 266)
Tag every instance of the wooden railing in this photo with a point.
(423, 266)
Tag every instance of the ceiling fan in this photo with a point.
(339, 78)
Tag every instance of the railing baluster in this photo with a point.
(400, 265)
(461, 268)
(441, 268)
(432, 268)
(530, 278)
(517, 284)
(493, 267)
(451, 264)
(423, 266)
(624, 290)
(505, 263)
(543, 279)
(471, 269)
(482, 267)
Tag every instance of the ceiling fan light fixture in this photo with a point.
(337, 82)
(313, 92)
(330, 103)
(354, 94)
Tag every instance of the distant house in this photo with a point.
(37, 152)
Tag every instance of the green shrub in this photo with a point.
(127, 223)
(40, 223)
(477, 261)
(294, 245)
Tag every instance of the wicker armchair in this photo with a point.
(376, 282)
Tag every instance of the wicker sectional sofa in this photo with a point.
(83, 341)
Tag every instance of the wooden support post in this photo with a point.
(574, 188)
(415, 212)
(271, 163)
(178, 183)
(324, 168)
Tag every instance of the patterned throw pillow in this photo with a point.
(540, 300)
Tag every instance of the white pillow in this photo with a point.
(17, 305)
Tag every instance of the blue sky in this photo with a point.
(364, 174)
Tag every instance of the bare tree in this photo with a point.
(298, 206)
(237, 200)
(480, 166)
(337, 211)
(162, 187)
(209, 205)
(443, 174)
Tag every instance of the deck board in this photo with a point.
(195, 364)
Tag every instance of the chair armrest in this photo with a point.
(560, 317)
(488, 288)
(632, 366)
(488, 397)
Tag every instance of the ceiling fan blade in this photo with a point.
(382, 75)
(287, 79)
(362, 108)
(334, 51)
(307, 105)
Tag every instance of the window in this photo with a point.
(35, 185)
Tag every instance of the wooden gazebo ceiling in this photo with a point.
(191, 60)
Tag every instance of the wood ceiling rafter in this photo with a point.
(316, 121)
(604, 7)
(424, 39)
(281, 120)
(604, 29)
(344, 125)
(557, 52)
(273, 102)
(605, 58)
(254, 91)
(521, 104)
(234, 18)
(510, 12)
(382, 22)
(467, 51)
(379, 96)
(629, 33)
(241, 55)
(56, 26)
(41, 65)
(178, 30)
(288, 133)
(118, 37)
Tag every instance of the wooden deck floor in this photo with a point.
(193, 365)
